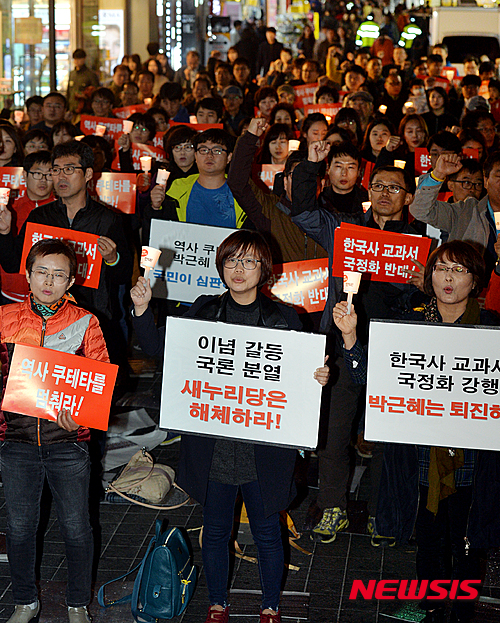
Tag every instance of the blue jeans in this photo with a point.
(218, 518)
(67, 467)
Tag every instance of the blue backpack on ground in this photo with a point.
(165, 582)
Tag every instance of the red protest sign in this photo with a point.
(329, 110)
(158, 139)
(88, 270)
(126, 111)
(304, 94)
(139, 150)
(43, 381)
(422, 161)
(266, 173)
(367, 168)
(114, 127)
(114, 189)
(12, 177)
(495, 110)
(386, 256)
(199, 127)
(301, 284)
(470, 152)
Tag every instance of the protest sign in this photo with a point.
(266, 173)
(366, 172)
(12, 177)
(126, 111)
(386, 256)
(304, 94)
(198, 127)
(301, 284)
(241, 382)
(88, 270)
(433, 384)
(114, 189)
(139, 150)
(114, 127)
(329, 110)
(186, 269)
(422, 161)
(43, 381)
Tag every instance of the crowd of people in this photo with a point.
(374, 107)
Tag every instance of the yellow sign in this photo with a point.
(29, 30)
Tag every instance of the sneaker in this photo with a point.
(270, 618)
(171, 438)
(217, 616)
(377, 539)
(24, 614)
(334, 520)
(78, 615)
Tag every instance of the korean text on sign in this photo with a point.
(386, 256)
(301, 284)
(433, 384)
(43, 381)
(241, 382)
(89, 260)
(115, 189)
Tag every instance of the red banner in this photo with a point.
(304, 94)
(12, 177)
(88, 270)
(366, 168)
(301, 284)
(386, 256)
(114, 127)
(139, 150)
(422, 161)
(266, 173)
(329, 110)
(199, 127)
(126, 111)
(43, 381)
(470, 152)
(114, 189)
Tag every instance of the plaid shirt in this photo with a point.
(463, 475)
(356, 362)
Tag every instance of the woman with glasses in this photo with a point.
(213, 470)
(447, 495)
(34, 448)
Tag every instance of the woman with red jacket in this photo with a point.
(33, 448)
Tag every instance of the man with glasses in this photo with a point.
(54, 109)
(390, 192)
(71, 169)
(39, 187)
(204, 198)
(469, 217)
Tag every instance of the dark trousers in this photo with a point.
(441, 553)
(67, 467)
(334, 457)
(218, 518)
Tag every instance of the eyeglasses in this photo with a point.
(42, 275)
(468, 185)
(248, 263)
(487, 130)
(393, 189)
(456, 269)
(140, 128)
(38, 175)
(183, 147)
(215, 151)
(67, 170)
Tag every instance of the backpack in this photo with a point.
(165, 581)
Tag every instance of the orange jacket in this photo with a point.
(71, 330)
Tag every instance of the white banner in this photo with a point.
(186, 268)
(433, 384)
(248, 383)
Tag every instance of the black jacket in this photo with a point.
(274, 465)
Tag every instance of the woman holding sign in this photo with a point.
(212, 470)
(450, 495)
(34, 448)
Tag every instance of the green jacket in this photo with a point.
(79, 80)
(181, 190)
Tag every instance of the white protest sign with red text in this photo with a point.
(114, 127)
(301, 284)
(114, 189)
(139, 150)
(304, 94)
(43, 381)
(435, 385)
(386, 256)
(240, 382)
(88, 270)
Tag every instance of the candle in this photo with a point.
(382, 108)
(293, 145)
(145, 163)
(400, 164)
(127, 126)
(100, 130)
(193, 119)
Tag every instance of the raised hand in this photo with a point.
(318, 151)
(447, 164)
(257, 126)
(141, 295)
(393, 142)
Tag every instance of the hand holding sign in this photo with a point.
(447, 164)
(64, 420)
(107, 248)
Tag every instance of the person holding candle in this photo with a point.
(213, 470)
(142, 133)
(390, 192)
